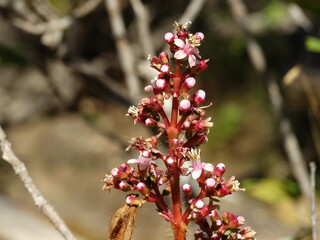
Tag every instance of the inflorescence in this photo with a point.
(185, 127)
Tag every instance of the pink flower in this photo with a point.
(142, 162)
(186, 50)
(198, 167)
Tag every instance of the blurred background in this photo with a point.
(70, 68)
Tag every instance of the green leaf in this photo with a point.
(313, 44)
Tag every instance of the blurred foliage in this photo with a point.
(271, 190)
(227, 122)
(313, 44)
(274, 12)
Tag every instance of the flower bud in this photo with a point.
(199, 204)
(162, 180)
(199, 97)
(169, 37)
(215, 237)
(190, 82)
(214, 215)
(164, 57)
(148, 88)
(146, 154)
(134, 201)
(184, 105)
(186, 124)
(149, 122)
(161, 84)
(186, 187)
(170, 160)
(199, 36)
(143, 189)
(219, 169)
(210, 183)
(124, 186)
(165, 68)
(115, 172)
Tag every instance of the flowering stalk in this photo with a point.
(185, 128)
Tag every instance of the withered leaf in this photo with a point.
(122, 222)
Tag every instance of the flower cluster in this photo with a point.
(184, 128)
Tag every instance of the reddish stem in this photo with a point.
(178, 225)
(164, 117)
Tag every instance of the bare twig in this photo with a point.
(20, 169)
(124, 49)
(143, 27)
(258, 60)
(313, 209)
(93, 70)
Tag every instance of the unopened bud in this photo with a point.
(164, 57)
(148, 88)
(146, 154)
(199, 97)
(115, 172)
(199, 204)
(199, 36)
(124, 186)
(186, 187)
(210, 183)
(219, 169)
(161, 84)
(215, 237)
(143, 189)
(185, 105)
(170, 160)
(169, 37)
(165, 68)
(190, 82)
(186, 124)
(149, 121)
(134, 201)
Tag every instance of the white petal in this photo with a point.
(208, 167)
(180, 55)
(196, 173)
(178, 42)
(132, 161)
(192, 60)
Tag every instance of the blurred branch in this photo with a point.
(20, 169)
(313, 208)
(125, 52)
(258, 60)
(143, 27)
(44, 10)
(53, 27)
(86, 8)
(93, 70)
(192, 11)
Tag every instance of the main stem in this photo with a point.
(178, 225)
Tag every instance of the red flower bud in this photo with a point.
(199, 97)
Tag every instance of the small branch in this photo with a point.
(20, 169)
(143, 27)
(313, 209)
(125, 52)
